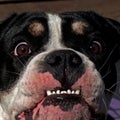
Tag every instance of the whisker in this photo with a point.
(105, 107)
(11, 72)
(105, 104)
(108, 57)
(113, 93)
(107, 73)
(17, 59)
(114, 85)
(21, 62)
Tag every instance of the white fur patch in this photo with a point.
(55, 34)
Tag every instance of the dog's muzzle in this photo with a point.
(60, 85)
(66, 66)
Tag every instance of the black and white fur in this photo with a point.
(78, 56)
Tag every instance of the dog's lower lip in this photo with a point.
(54, 96)
(57, 99)
(64, 100)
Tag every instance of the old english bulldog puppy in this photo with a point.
(57, 66)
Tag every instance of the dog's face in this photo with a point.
(56, 67)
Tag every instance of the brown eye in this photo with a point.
(22, 49)
(96, 47)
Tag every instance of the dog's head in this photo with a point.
(57, 67)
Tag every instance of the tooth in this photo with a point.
(58, 91)
(69, 91)
(77, 92)
(49, 92)
(73, 92)
(53, 92)
(63, 92)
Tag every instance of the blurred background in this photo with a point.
(108, 8)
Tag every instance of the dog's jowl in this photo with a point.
(57, 66)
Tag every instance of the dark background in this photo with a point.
(108, 8)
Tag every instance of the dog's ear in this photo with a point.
(116, 26)
(4, 26)
(7, 20)
(4, 23)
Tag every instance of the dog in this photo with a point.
(57, 66)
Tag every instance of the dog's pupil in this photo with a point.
(95, 48)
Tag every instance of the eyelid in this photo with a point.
(98, 43)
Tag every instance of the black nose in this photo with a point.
(63, 57)
(65, 65)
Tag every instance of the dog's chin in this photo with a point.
(59, 107)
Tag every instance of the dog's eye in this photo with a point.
(96, 47)
(22, 49)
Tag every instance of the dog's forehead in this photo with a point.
(77, 25)
(55, 33)
(36, 24)
(57, 24)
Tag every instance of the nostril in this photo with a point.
(66, 66)
(75, 60)
(54, 60)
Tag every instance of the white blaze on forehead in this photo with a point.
(54, 23)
